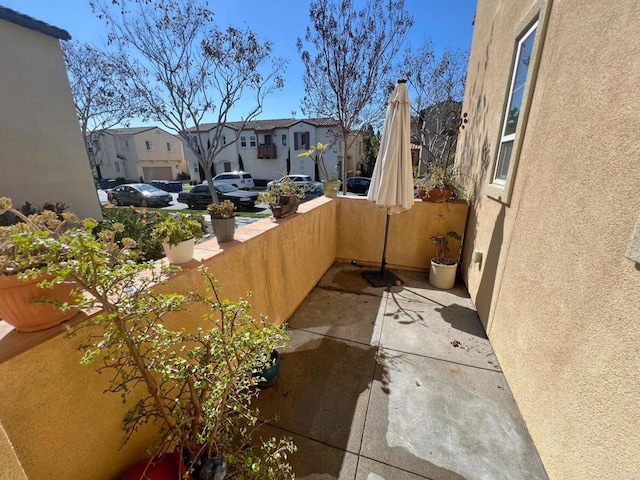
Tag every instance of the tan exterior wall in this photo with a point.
(409, 246)
(54, 411)
(558, 298)
(42, 154)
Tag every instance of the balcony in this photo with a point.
(267, 151)
(397, 382)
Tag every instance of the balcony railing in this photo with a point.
(267, 151)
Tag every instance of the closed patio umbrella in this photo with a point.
(392, 180)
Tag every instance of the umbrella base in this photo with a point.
(383, 278)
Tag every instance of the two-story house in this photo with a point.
(269, 149)
(140, 154)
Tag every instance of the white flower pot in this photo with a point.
(442, 276)
(180, 253)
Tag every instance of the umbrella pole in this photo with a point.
(384, 248)
(383, 278)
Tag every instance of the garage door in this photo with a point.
(157, 173)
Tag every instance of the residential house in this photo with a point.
(140, 154)
(552, 249)
(42, 156)
(269, 148)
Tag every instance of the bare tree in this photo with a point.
(437, 84)
(349, 61)
(187, 71)
(101, 100)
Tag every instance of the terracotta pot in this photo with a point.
(17, 307)
(165, 467)
(422, 194)
(438, 195)
(180, 253)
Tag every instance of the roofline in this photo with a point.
(33, 24)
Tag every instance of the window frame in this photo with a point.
(148, 145)
(169, 147)
(243, 141)
(253, 141)
(535, 21)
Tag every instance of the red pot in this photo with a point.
(165, 467)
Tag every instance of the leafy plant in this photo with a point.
(442, 245)
(443, 176)
(319, 150)
(224, 209)
(173, 230)
(287, 187)
(197, 383)
(137, 224)
(47, 223)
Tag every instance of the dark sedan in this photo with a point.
(199, 196)
(139, 195)
(358, 185)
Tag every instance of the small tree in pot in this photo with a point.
(197, 383)
(223, 221)
(442, 271)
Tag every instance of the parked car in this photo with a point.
(359, 185)
(312, 187)
(240, 180)
(139, 195)
(199, 196)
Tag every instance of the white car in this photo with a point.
(306, 181)
(240, 180)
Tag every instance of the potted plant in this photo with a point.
(197, 382)
(223, 221)
(177, 235)
(27, 300)
(442, 271)
(283, 197)
(330, 180)
(440, 184)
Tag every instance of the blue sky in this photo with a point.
(446, 22)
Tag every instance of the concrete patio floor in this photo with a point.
(393, 384)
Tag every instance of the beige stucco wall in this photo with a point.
(559, 299)
(54, 411)
(42, 155)
(409, 246)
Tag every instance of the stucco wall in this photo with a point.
(54, 411)
(409, 246)
(42, 155)
(559, 299)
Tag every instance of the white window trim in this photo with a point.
(537, 17)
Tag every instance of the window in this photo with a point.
(126, 143)
(284, 139)
(252, 140)
(169, 147)
(224, 140)
(243, 141)
(516, 93)
(117, 165)
(147, 144)
(301, 140)
(227, 166)
(196, 168)
(518, 97)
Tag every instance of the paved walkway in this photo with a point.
(394, 384)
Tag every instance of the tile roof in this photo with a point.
(33, 24)
(129, 130)
(271, 124)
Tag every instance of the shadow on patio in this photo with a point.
(398, 383)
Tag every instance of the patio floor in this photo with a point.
(394, 384)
